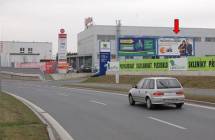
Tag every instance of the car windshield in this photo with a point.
(167, 83)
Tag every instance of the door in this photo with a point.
(136, 93)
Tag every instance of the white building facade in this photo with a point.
(88, 40)
(12, 52)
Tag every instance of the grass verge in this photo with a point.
(18, 122)
(206, 82)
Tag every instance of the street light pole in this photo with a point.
(118, 29)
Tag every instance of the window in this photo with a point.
(151, 84)
(30, 50)
(197, 39)
(146, 84)
(210, 39)
(167, 83)
(22, 50)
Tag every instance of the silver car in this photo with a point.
(157, 91)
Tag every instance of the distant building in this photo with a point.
(12, 52)
(88, 40)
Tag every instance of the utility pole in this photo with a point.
(118, 30)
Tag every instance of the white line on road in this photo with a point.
(165, 122)
(200, 106)
(93, 101)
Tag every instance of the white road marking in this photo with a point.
(200, 106)
(93, 101)
(165, 122)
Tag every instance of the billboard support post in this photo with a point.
(118, 26)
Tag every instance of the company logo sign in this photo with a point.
(105, 46)
(178, 64)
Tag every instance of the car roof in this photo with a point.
(155, 78)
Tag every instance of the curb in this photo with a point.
(55, 130)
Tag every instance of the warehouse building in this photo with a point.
(89, 41)
(12, 52)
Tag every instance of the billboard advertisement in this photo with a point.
(145, 65)
(137, 46)
(176, 46)
(62, 45)
(105, 49)
(201, 63)
(105, 46)
(178, 64)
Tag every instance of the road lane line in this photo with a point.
(93, 101)
(200, 106)
(165, 122)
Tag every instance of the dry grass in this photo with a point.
(18, 122)
(207, 82)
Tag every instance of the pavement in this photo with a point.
(94, 115)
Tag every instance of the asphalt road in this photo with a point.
(91, 115)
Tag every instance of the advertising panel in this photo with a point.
(105, 49)
(113, 66)
(145, 65)
(105, 46)
(178, 64)
(62, 45)
(137, 46)
(176, 47)
(201, 63)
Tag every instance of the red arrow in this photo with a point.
(176, 26)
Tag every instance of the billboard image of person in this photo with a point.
(182, 48)
(175, 46)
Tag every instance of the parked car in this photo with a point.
(157, 91)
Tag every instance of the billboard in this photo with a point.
(62, 45)
(201, 63)
(175, 46)
(137, 46)
(178, 64)
(145, 65)
(105, 46)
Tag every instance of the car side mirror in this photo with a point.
(135, 86)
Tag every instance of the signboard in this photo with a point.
(201, 63)
(113, 66)
(105, 49)
(62, 45)
(175, 47)
(62, 66)
(178, 64)
(105, 46)
(137, 46)
(145, 65)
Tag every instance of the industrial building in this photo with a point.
(13, 52)
(90, 38)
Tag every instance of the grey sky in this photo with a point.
(40, 20)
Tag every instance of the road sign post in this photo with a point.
(118, 26)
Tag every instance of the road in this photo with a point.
(93, 115)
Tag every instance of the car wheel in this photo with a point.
(149, 104)
(179, 105)
(131, 100)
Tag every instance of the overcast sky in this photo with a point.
(40, 20)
